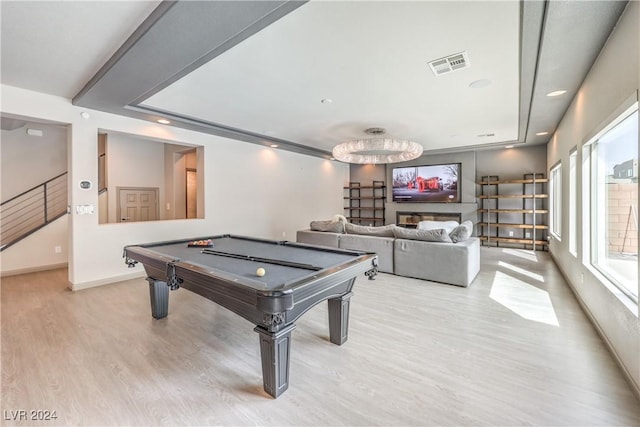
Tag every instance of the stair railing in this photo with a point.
(31, 210)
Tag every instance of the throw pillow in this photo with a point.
(340, 218)
(461, 232)
(383, 231)
(435, 225)
(439, 235)
(327, 226)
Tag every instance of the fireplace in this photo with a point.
(411, 219)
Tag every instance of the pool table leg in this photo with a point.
(275, 348)
(159, 293)
(339, 318)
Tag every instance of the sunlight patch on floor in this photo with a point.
(522, 253)
(523, 299)
(516, 269)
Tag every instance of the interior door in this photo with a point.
(137, 204)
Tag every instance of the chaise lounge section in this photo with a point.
(452, 263)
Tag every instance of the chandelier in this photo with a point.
(377, 150)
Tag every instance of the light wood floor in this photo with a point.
(513, 349)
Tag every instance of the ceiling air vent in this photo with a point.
(449, 63)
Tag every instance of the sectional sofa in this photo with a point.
(427, 253)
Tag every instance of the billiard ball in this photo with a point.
(260, 272)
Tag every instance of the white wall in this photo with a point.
(511, 163)
(249, 189)
(262, 191)
(37, 251)
(613, 79)
(45, 157)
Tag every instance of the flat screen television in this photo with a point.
(427, 184)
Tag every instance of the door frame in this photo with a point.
(118, 189)
(186, 201)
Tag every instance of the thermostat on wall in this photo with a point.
(85, 185)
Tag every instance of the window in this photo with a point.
(573, 189)
(613, 202)
(555, 181)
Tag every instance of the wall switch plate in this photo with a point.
(85, 209)
(527, 235)
(57, 249)
(510, 233)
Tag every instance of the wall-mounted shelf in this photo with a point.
(516, 181)
(508, 225)
(513, 212)
(513, 196)
(366, 203)
(512, 240)
(527, 211)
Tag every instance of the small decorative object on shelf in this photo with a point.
(514, 211)
(366, 203)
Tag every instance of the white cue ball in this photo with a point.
(260, 272)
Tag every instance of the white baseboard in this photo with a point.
(107, 281)
(635, 388)
(33, 269)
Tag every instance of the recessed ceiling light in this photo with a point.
(34, 132)
(508, 146)
(273, 145)
(85, 115)
(542, 133)
(163, 121)
(557, 93)
(480, 83)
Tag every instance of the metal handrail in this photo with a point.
(32, 188)
(32, 209)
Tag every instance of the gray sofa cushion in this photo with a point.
(330, 226)
(383, 231)
(453, 263)
(320, 238)
(461, 232)
(439, 235)
(383, 246)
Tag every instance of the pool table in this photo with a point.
(297, 277)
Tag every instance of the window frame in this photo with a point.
(573, 201)
(555, 201)
(592, 210)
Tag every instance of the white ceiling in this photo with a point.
(55, 47)
(371, 59)
(257, 71)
